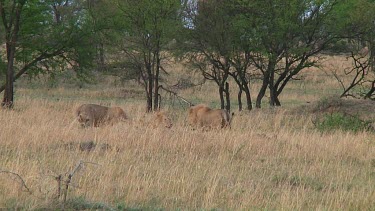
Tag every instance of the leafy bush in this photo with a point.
(340, 121)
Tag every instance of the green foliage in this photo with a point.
(353, 17)
(138, 30)
(340, 121)
(80, 203)
(77, 203)
(56, 44)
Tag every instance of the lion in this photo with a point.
(161, 119)
(203, 116)
(92, 115)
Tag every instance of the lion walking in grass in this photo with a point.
(161, 119)
(203, 116)
(92, 115)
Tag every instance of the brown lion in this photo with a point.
(161, 119)
(92, 115)
(203, 116)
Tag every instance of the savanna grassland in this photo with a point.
(271, 159)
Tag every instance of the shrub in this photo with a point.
(341, 121)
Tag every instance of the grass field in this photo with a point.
(271, 159)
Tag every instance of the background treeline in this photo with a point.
(245, 40)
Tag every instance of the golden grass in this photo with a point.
(270, 159)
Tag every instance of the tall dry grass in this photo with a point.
(270, 159)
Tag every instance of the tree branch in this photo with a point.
(23, 184)
(176, 95)
(44, 55)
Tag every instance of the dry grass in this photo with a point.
(270, 159)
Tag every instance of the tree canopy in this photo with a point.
(238, 39)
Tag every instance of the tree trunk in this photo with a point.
(11, 36)
(101, 60)
(156, 96)
(262, 91)
(149, 91)
(371, 91)
(241, 81)
(227, 96)
(156, 83)
(8, 98)
(272, 88)
(277, 101)
(221, 94)
(239, 99)
(266, 81)
(248, 96)
(149, 102)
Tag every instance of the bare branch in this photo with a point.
(78, 167)
(175, 94)
(23, 184)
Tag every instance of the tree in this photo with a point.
(284, 36)
(241, 64)
(144, 31)
(11, 24)
(98, 10)
(207, 43)
(357, 26)
(43, 36)
(240, 60)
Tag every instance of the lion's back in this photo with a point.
(212, 118)
(116, 113)
(195, 112)
(92, 113)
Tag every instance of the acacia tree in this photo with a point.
(206, 43)
(11, 24)
(217, 43)
(143, 31)
(241, 64)
(242, 68)
(99, 10)
(357, 26)
(284, 36)
(42, 36)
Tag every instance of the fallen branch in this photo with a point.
(176, 95)
(23, 184)
(62, 185)
(78, 167)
